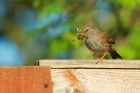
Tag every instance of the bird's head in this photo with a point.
(83, 33)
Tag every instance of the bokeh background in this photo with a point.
(44, 29)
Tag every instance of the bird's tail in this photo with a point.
(114, 54)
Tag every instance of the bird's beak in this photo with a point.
(81, 36)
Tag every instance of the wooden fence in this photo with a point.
(72, 76)
(25, 80)
(85, 76)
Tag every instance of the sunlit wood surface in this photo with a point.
(85, 76)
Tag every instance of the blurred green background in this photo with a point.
(44, 29)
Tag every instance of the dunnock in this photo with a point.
(97, 41)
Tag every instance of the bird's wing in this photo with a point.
(106, 38)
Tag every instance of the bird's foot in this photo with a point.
(100, 60)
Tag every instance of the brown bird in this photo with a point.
(98, 42)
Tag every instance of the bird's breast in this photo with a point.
(95, 45)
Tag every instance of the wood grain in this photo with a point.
(111, 76)
(90, 63)
(25, 80)
(98, 81)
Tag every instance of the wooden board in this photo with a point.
(85, 76)
(96, 81)
(91, 64)
(25, 80)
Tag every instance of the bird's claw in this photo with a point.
(99, 60)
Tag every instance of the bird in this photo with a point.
(98, 42)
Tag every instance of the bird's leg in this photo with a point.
(102, 58)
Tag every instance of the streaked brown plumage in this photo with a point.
(97, 41)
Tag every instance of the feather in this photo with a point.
(114, 54)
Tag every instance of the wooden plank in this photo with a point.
(90, 63)
(97, 81)
(25, 80)
(64, 82)
(76, 85)
(88, 77)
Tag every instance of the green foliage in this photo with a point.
(128, 4)
(133, 38)
(127, 52)
(59, 19)
(52, 8)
